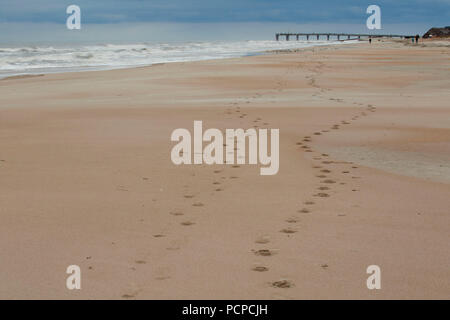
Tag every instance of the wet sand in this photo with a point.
(86, 179)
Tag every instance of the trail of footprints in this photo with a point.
(327, 174)
(220, 176)
(321, 163)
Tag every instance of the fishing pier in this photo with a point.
(336, 36)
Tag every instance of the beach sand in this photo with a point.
(86, 179)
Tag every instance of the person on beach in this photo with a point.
(417, 38)
(370, 40)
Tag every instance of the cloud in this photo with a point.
(51, 33)
(138, 20)
(298, 11)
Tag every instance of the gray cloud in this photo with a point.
(298, 11)
(175, 20)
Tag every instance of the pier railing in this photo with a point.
(338, 36)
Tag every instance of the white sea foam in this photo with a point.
(49, 59)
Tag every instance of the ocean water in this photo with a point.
(23, 60)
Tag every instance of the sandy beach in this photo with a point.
(86, 178)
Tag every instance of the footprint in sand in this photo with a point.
(288, 231)
(322, 195)
(328, 181)
(198, 204)
(309, 203)
(282, 284)
(304, 211)
(177, 213)
(189, 196)
(132, 293)
(323, 188)
(264, 253)
(325, 171)
(321, 176)
(260, 269)
(292, 220)
(140, 262)
(187, 223)
(262, 240)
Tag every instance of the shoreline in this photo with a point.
(437, 42)
(110, 68)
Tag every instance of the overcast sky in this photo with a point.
(173, 20)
